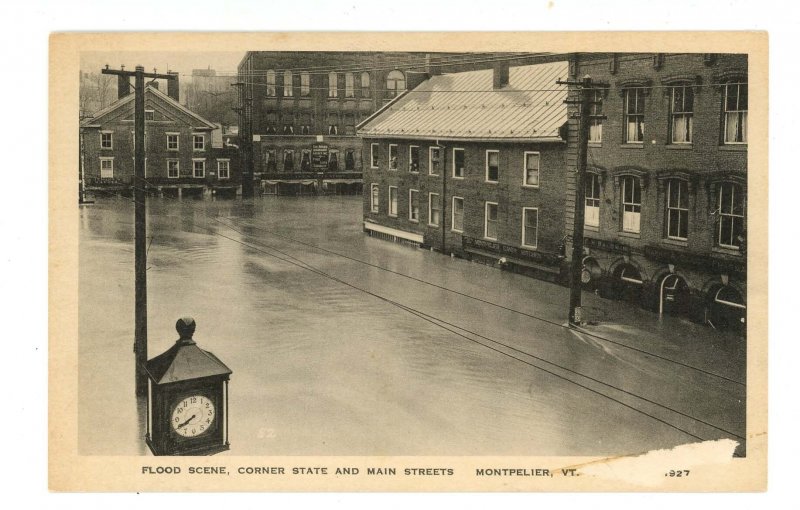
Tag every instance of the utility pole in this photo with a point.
(586, 88)
(140, 233)
(245, 111)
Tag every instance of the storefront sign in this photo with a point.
(511, 251)
(319, 156)
(606, 245)
(704, 262)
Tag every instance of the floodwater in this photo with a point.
(341, 344)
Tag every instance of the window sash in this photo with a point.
(413, 159)
(532, 160)
(735, 113)
(106, 168)
(392, 201)
(271, 83)
(288, 89)
(492, 166)
(530, 227)
(434, 160)
(458, 214)
(731, 215)
(173, 169)
(374, 156)
(631, 204)
(333, 90)
(375, 199)
(434, 210)
(198, 142)
(305, 84)
(458, 163)
(634, 116)
(106, 141)
(392, 157)
(172, 142)
(349, 85)
(223, 169)
(591, 210)
(413, 205)
(490, 221)
(199, 169)
(365, 85)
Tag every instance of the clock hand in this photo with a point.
(187, 421)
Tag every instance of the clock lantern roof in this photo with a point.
(185, 361)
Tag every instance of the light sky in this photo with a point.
(224, 62)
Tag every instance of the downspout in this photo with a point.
(444, 197)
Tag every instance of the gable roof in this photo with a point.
(119, 103)
(464, 106)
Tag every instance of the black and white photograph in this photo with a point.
(366, 267)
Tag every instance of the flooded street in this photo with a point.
(341, 344)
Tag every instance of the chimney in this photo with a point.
(173, 86)
(431, 68)
(499, 75)
(123, 86)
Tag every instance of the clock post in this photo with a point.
(187, 398)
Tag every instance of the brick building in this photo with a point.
(299, 111)
(473, 164)
(666, 190)
(181, 153)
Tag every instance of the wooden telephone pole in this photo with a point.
(586, 88)
(140, 233)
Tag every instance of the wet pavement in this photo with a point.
(341, 344)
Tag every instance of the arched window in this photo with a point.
(364, 84)
(333, 91)
(271, 83)
(729, 296)
(395, 83)
(287, 84)
(631, 275)
(349, 85)
(305, 84)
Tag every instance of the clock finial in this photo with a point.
(185, 327)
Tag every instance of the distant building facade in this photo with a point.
(212, 96)
(473, 164)
(299, 111)
(181, 153)
(666, 190)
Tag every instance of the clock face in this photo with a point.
(193, 416)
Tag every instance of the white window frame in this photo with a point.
(390, 204)
(177, 168)
(486, 173)
(374, 155)
(464, 169)
(486, 220)
(110, 139)
(177, 141)
(375, 197)
(194, 168)
(677, 207)
(726, 112)
(525, 169)
(525, 242)
(411, 202)
(430, 209)
(103, 160)
(430, 159)
(410, 150)
(453, 215)
(589, 178)
(227, 168)
(687, 115)
(595, 124)
(389, 156)
(631, 204)
(202, 138)
(725, 216)
(636, 91)
(152, 114)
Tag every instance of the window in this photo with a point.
(736, 113)
(393, 201)
(288, 129)
(172, 141)
(591, 211)
(634, 115)
(395, 83)
(106, 140)
(365, 84)
(392, 156)
(223, 168)
(631, 204)
(530, 226)
(531, 171)
(490, 221)
(149, 115)
(596, 124)
(198, 142)
(333, 91)
(173, 168)
(349, 85)
(288, 160)
(413, 158)
(272, 122)
(288, 90)
(458, 163)
(434, 160)
(305, 160)
(305, 84)
(492, 166)
(434, 210)
(458, 214)
(682, 106)
(270, 160)
(349, 124)
(349, 159)
(333, 123)
(333, 160)
(375, 198)
(199, 168)
(731, 215)
(677, 209)
(271, 83)
(106, 168)
(413, 205)
(373, 155)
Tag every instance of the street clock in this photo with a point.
(187, 398)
